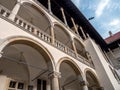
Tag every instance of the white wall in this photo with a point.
(104, 73)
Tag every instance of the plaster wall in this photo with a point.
(103, 71)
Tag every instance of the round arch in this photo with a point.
(62, 35)
(71, 75)
(35, 47)
(92, 79)
(58, 24)
(32, 43)
(71, 63)
(36, 5)
(80, 47)
(74, 38)
(36, 15)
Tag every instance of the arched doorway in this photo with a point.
(93, 83)
(25, 63)
(71, 77)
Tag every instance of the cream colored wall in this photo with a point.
(8, 30)
(103, 71)
(3, 82)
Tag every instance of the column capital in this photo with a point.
(19, 2)
(82, 82)
(54, 74)
(61, 8)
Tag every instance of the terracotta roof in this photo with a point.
(113, 38)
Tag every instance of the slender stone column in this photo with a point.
(108, 59)
(74, 47)
(63, 14)
(76, 27)
(119, 45)
(83, 83)
(85, 87)
(111, 52)
(15, 11)
(88, 36)
(54, 80)
(52, 35)
(3, 80)
(83, 32)
(1, 54)
(48, 85)
(49, 6)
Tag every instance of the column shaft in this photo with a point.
(83, 83)
(54, 80)
(111, 52)
(52, 35)
(49, 6)
(74, 47)
(15, 11)
(83, 32)
(63, 14)
(76, 28)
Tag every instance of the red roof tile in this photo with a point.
(113, 38)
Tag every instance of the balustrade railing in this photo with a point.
(32, 29)
(4, 11)
(26, 26)
(64, 48)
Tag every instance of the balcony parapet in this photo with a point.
(33, 30)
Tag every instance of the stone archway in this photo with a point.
(34, 16)
(71, 75)
(62, 35)
(26, 61)
(80, 48)
(93, 83)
